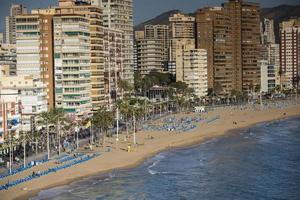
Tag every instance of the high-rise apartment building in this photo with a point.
(92, 11)
(182, 26)
(231, 36)
(161, 33)
(10, 22)
(289, 52)
(35, 49)
(150, 55)
(267, 31)
(72, 63)
(119, 15)
(191, 69)
(182, 30)
(113, 43)
(152, 48)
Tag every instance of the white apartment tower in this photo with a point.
(267, 31)
(72, 63)
(118, 14)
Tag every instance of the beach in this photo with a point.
(150, 143)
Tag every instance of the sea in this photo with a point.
(257, 163)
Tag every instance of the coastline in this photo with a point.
(184, 140)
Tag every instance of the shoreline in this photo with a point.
(193, 138)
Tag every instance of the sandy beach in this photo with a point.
(150, 143)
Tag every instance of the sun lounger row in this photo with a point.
(80, 159)
(22, 168)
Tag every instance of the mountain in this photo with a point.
(278, 13)
(160, 19)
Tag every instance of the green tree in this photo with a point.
(125, 87)
(103, 119)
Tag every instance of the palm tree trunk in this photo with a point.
(36, 146)
(126, 123)
(99, 140)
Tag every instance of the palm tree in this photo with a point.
(46, 119)
(125, 87)
(103, 119)
(125, 110)
(55, 117)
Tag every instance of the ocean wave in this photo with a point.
(157, 159)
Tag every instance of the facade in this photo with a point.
(119, 15)
(8, 59)
(152, 48)
(267, 32)
(10, 22)
(9, 118)
(161, 33)
(72, 63)
(268, 76)
(113, 44)
(182, 36)
(150, 55)
(35, 49)
(182, 26)
(195, 71)
(1, 38)
(93, 12)
(191, 68)
(180, 48)
(231, 36)
(182, 30)
(289, 52)
(139, 35)
(30, 92)
(274, 60)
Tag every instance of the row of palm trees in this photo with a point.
(55, 126)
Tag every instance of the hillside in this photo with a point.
(278, 13)
(160, 19)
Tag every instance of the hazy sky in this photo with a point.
(143, 9)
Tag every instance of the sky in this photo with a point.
(143, 9)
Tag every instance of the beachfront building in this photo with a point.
(113, 42)
(8, 59)
(231, 36)
(289, 52)
(93, 13)
(118, 15)
(27, 91)
(191, 68)
(35, 50)
(10, 22)
(72, 63)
